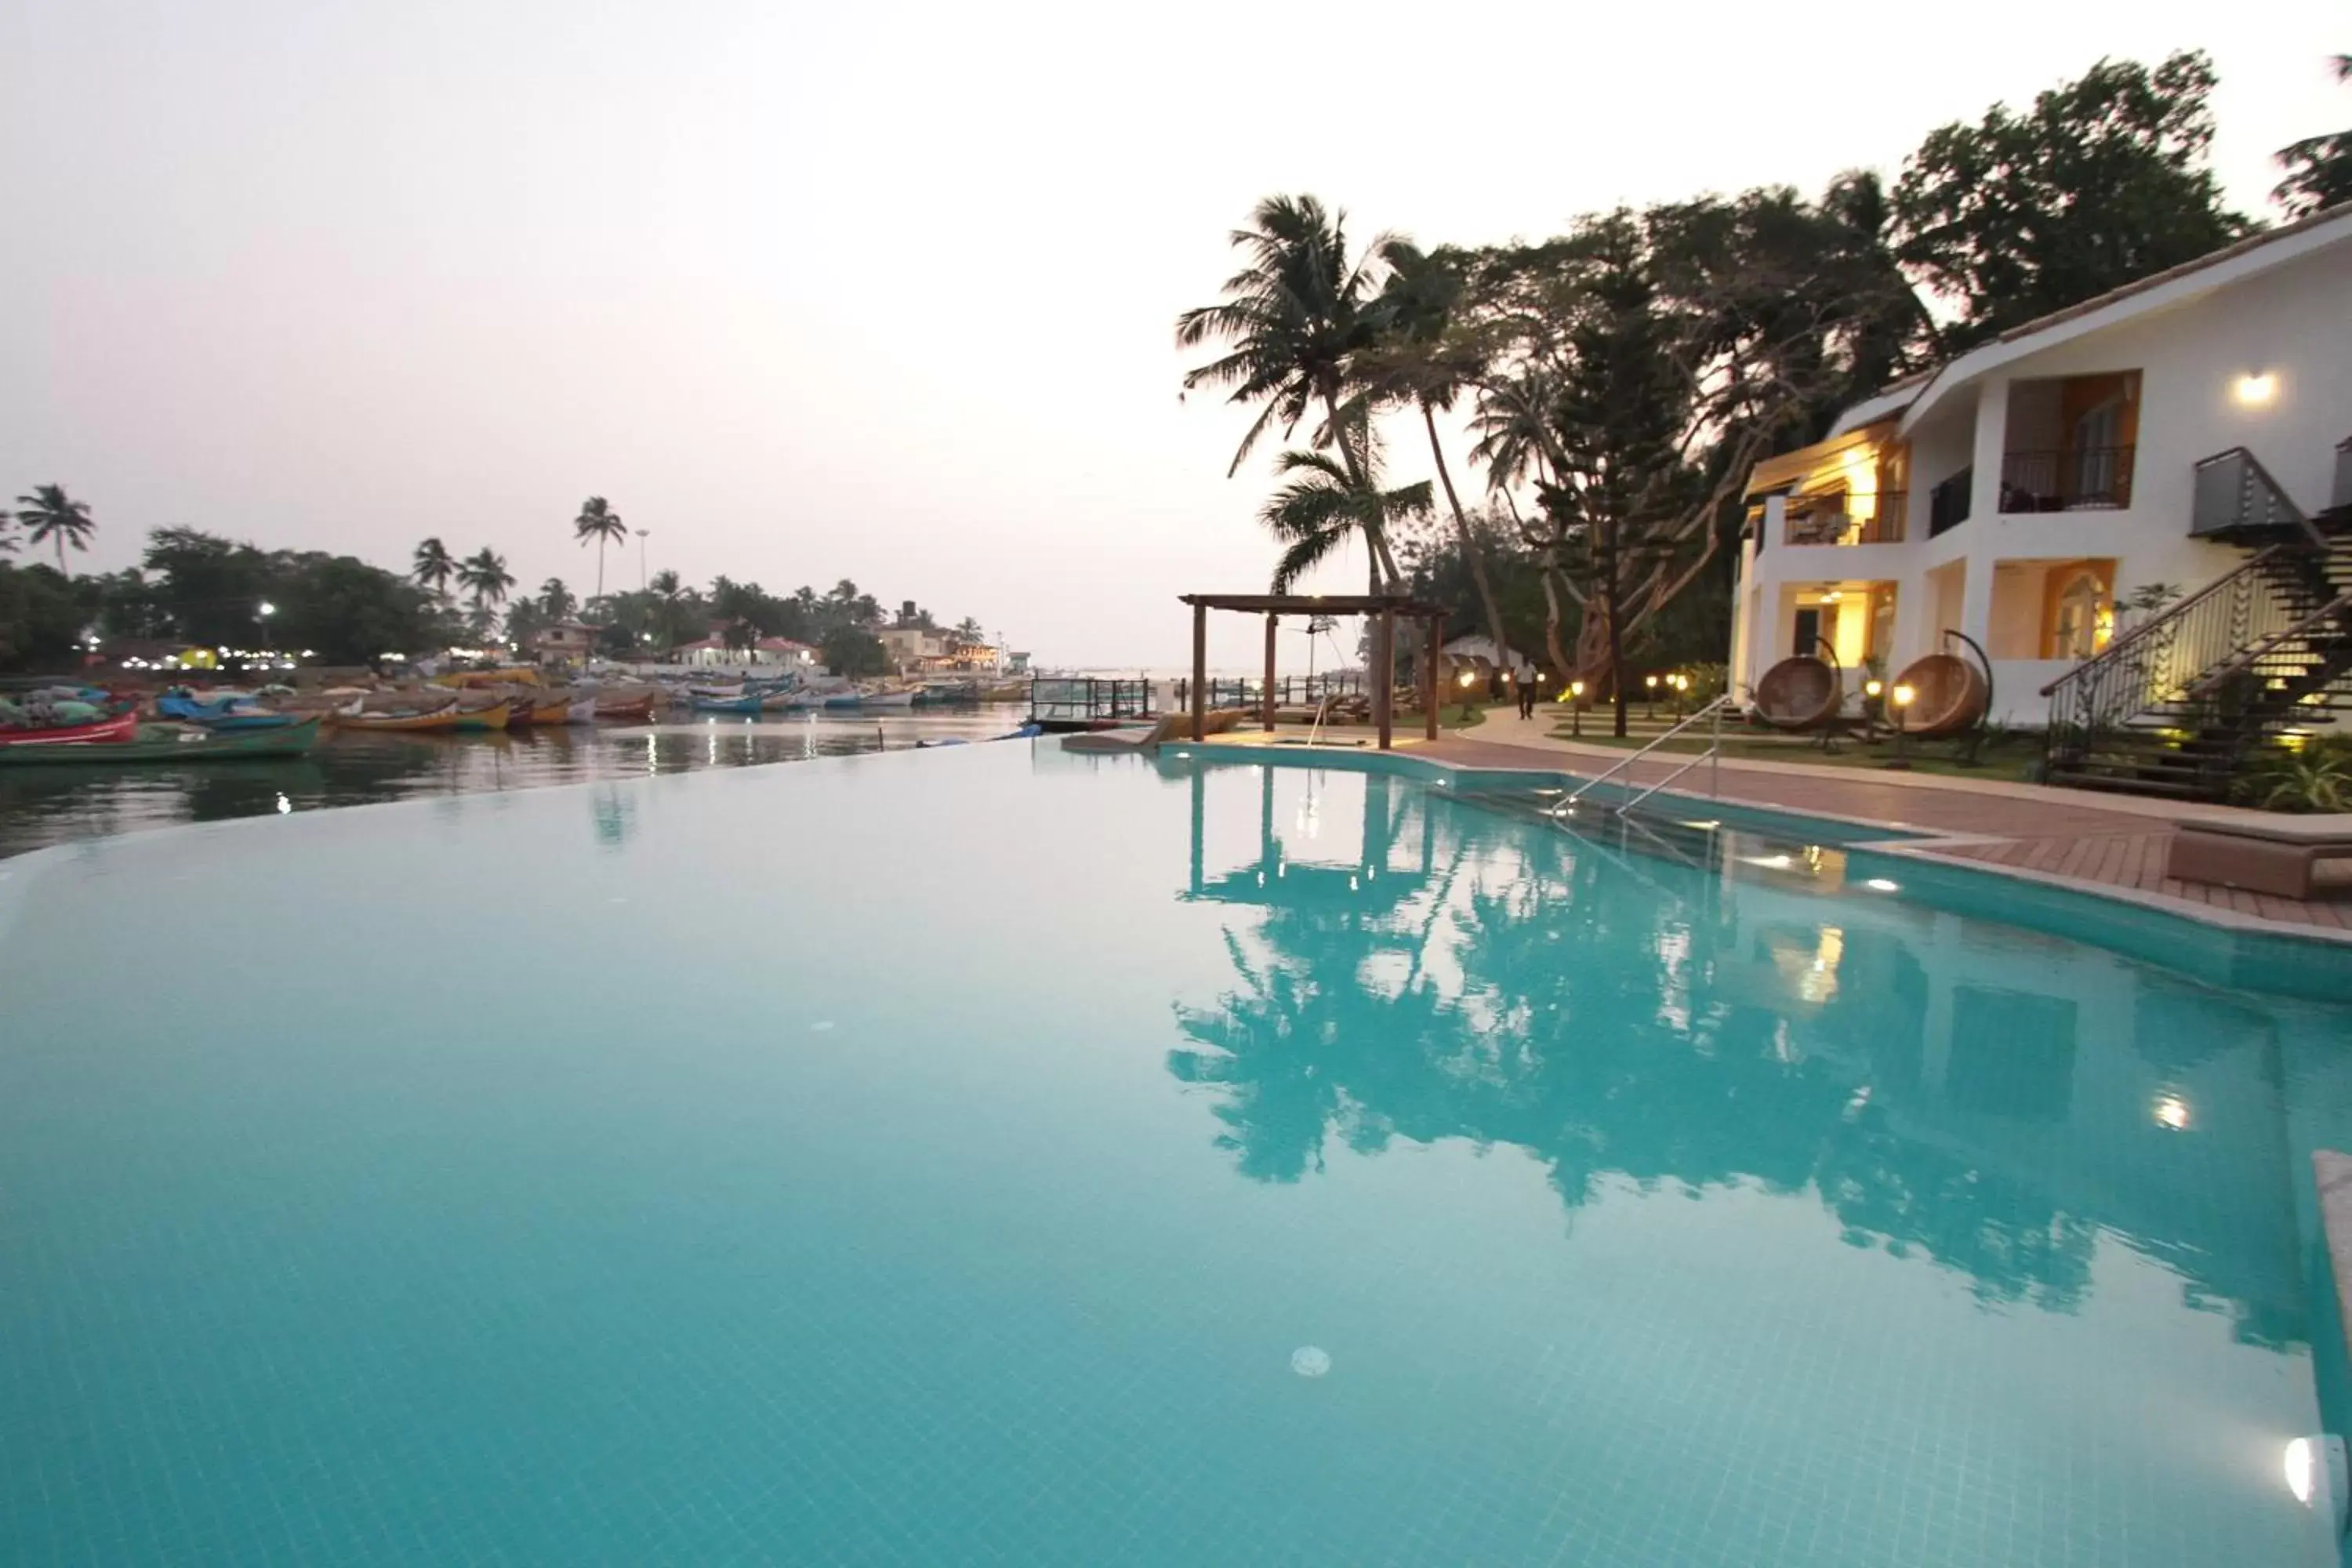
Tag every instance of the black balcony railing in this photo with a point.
(2076, 479)
(1947, 503)
(1848, 518)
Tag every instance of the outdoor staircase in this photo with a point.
(2175, 706)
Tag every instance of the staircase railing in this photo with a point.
(2164, 660)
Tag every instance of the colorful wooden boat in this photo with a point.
(583, 712)
(747, 703)
(527, 711)
(638, 710)
(478, 720)
(441, 719)
(173, 743)
(104, 732)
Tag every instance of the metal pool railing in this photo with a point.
(1713, 755)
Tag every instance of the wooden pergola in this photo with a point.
(1384, 609)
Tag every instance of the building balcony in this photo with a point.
(2076, 479)
(1846, 520)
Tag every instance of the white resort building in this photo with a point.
(2183, 439)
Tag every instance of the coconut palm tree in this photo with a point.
(557, 600)
(669, 594)
(1294, 322)
(484, 575)
(51, 516)
(599, 521)
(1327, 502)
(432, 567)
(1421, 361)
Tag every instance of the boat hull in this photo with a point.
(106, 731)
(477, 720)
(174, 745)
(399, 723)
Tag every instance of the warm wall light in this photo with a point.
(2253, 391)
(1903, 695)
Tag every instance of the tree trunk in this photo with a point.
(1470, 550)
(1612, 606)
(1551, 620)
(600, 565)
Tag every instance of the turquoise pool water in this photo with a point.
(996, 1154)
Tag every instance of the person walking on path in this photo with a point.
(1526, 684)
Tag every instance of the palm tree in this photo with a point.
(51, 515)
(433, 566)
(1420, 359)
(556, 599)
(1327, 502)
(599, 521)
(484, 575)
(669, 594)
(1293, 320)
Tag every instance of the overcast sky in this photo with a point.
(879, 291)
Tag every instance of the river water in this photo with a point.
(48, 806)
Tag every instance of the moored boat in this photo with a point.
(581, 711)
(173, 743)
(638, 710)
(122, 727)
(749, 702)
(902, 698)
(491, 716)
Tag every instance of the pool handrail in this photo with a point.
(1713, 753)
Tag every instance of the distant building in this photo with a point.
(566, 645)
(1479, 654)
(909, 646)
(716, 649)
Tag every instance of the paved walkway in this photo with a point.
(2114, 844)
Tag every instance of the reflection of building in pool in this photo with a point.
(1997, 1101)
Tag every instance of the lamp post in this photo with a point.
(1469, 683)
(641, 559)
(1681, 683)
(1872, 691)
(1650, 702)
(1901, 760)
(268, 610)
(1576, 710)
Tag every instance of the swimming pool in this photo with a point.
(1005, 1153)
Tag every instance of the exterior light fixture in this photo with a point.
(1901, 761)
(1883, 885)
(267, 608)
(1903, 695)
(1576, 709)
(1873, 688)
(2257, 391)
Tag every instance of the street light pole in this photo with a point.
(641, 558)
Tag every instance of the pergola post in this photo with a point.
(1428, 681)
(1384, 672)
(1200, 672)
(1266, 692)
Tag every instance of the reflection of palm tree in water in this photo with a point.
(1641, 1039)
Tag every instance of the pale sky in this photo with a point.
(883, 291)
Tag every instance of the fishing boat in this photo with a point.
(581, 711)
(493, 715)
(749, 702)
(173, 743)
(540, 708)
(398, 712)
(110, 731)
(903, 696)
(636, 709)
(844, 700)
